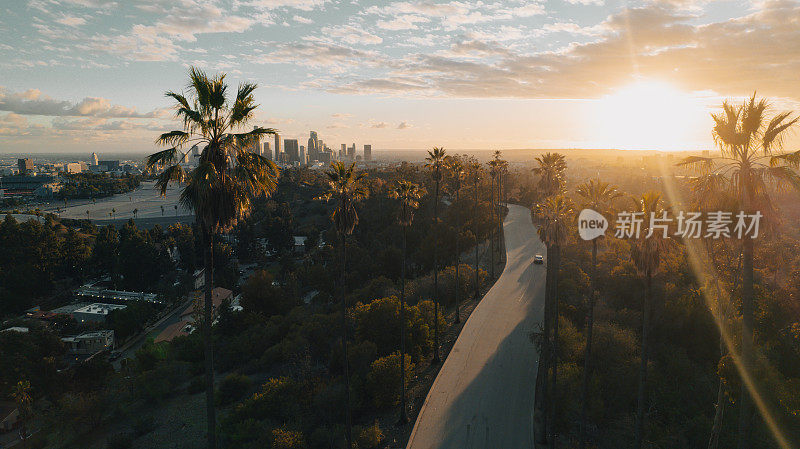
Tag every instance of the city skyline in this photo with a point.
(90, 75)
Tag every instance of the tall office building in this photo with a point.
(277, 146)
(265, 151)
(255, 147)
(24, 166)
(343, 151)
(314, 147)
(292, 150)
(94, 159)
(351, 152)
(367, 153)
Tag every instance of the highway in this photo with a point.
(483, 395)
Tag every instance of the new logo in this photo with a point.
(591, 224)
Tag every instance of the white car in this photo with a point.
(538, 259)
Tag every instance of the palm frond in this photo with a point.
(173, 138)
(162, 157)
(775, 132)
(170, 174)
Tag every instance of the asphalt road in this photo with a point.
(483, 395)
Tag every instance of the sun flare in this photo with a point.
(651, 115)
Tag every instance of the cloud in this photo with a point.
(379, 125)
(301, 19)
(404, 125)
(315, 54)
(180, 23)
(71, 21)
(351, 34)
(404, 22)
(731, 57)
(33, 102)
(303, 5)
(341, 115)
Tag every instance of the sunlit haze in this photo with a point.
(84, 76)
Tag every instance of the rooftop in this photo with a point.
(99, 308)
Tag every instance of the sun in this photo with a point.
(651, 115)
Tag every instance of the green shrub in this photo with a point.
(120, 441)
(196, 385)
(369, 437)
(287, 439)
(144, 425)
(232, 388)
(383, 380)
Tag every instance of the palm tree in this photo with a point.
(113, 212)
(21, 393)
(87, 214)
(598, 196)
(711, 192)
(409, 195)
(551, 172)
(162, 210)
(136, 213)
(436, 164)
(455, 168)
(224, 184)
(176, 210)
(492, 176)
(475, 169)
(646, 251)
(554, 214)
(751, 157)
(346, 187)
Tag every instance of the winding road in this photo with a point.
(483, 395)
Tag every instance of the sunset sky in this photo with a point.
(89, 75)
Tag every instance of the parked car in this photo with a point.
(538, 259)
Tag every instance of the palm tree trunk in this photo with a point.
(745, 410)
(641, 396)
(587, 358)
(208, 342)
(491, 232)
(713, 440)
(475, 230)
(403, 414)
(554, 379)
(458, 261)
(436, 358)
(348, 417)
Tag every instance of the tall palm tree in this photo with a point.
(555, 214)
(750, 143)
(455, 169)
(475, 175)
(550, 170)
(135, 213)
(436, 166)
(493, 173)
(409, 195)
(719, 274)
(21, 392)
(224, 184)
(646, 252)
(346, 187)
(598, 196)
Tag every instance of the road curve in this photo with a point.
(483, 395)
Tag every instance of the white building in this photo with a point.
(89, 343)
(96, 312)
